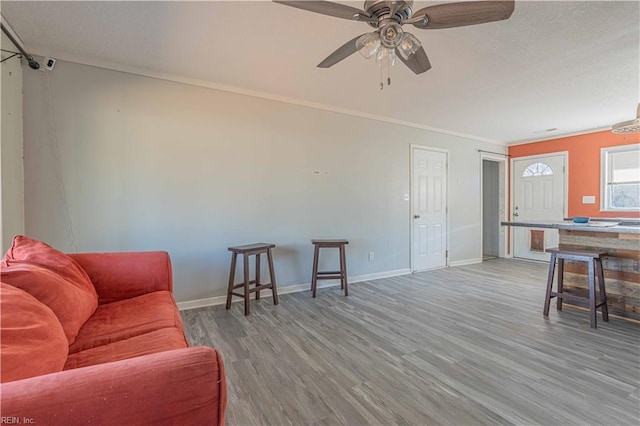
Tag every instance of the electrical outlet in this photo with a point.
(371, 256)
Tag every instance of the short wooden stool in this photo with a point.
(251, 250)
(329, 275)
(594, 263)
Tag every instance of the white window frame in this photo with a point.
(537, 174)
(604, 175)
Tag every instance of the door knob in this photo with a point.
(516, 214)
(416, 216)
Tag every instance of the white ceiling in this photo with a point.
(574, 66)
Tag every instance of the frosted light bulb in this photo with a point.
(368, 45)
(409, 45)
(386, 57)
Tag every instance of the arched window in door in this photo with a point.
(537, 169)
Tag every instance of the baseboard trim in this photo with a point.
(221, 300)
(380, 275)
(201, 303)
(465, 262)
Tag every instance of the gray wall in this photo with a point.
(11, 166)
(149, 164)
(490, 206)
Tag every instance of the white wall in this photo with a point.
(149, 164)
(11, 165)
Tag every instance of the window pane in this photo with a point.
(624, 196)
(537, 169)
(625, 166)
(621, 177)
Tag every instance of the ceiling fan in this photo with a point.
(389, 40)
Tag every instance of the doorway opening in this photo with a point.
(493, 178)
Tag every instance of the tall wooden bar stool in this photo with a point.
(594, 264)
(251, 250)
(329, 275)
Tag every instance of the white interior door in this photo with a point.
(429, 209)
(539, 194)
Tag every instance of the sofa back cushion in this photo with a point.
(72, 303)
(33, 341)
(34, 251)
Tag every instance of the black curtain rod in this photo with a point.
(32, 62)
(496, 153)
(9, 57)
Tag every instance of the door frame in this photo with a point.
(413, 147)
(505, 163)
(565, 209)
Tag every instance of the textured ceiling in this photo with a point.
(574, 66)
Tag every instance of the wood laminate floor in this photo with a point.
(459, 346)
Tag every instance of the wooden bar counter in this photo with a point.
(621, 265)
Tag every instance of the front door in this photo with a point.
(538, 194)
(429, 209)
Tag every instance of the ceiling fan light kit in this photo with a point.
(389, 40)
(368, 44)
(409, 45)
(628, 127)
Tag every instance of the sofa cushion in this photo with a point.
(128, 318)
(34, 251)
(122, 275)
(73, 304)
(156, 341)
(33, 341)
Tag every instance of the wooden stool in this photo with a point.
(329, 275)
(594, 262)
(251, 250)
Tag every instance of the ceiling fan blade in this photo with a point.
(344, 51)
(418, 62)
(452, 15)
(328, 8)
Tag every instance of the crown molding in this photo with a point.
(560, 136)
(96, 63)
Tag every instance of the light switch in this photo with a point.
(588, 199)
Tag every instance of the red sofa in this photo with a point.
(128, 363)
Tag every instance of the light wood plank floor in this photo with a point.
(459, 346)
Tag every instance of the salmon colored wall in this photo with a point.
(584, 166)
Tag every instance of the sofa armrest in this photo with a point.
(183, 386)
(118, 276)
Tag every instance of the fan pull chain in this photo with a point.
(385, 70)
